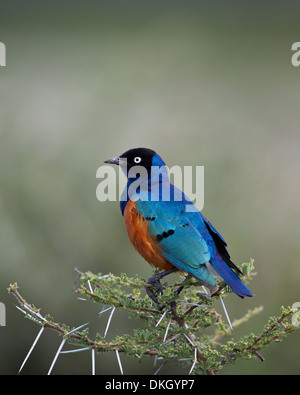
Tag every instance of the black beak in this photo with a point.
(112, 161)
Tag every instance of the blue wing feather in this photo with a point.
(180, 242)
(193, 240)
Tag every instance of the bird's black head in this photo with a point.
(135, 157)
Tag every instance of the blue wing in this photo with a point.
(180, 242)
(220, 258)
(188, 240)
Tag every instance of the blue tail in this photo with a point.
(228, 275)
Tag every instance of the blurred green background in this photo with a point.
(201, 83)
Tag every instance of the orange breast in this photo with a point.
(137, 229)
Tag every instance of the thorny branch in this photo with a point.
(176, 332)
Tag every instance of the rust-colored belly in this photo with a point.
(146, 246)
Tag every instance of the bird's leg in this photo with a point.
(180, 288)
(155, 281)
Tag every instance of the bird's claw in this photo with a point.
(150, 292)
(155, 282)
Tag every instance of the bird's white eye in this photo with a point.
(137, 159)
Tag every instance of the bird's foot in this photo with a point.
(151, 292)
(154, 281)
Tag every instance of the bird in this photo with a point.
(165, 233)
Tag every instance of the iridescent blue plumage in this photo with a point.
(186, 238)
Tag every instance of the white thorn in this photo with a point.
(75, 350)
(189, 340)
(93, 362)
(90, 286)
(79, 327)
(104, 276)
(104, 310)
(161, 318)
(194, 363)
(119, 362)
(56, 355)
(155, 360)
(108, 322)
(166, 333)
(32, 347)
(164, 362)
(173, 338)
(225, 311)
